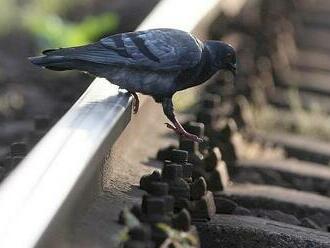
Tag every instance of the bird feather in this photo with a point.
(154, 50)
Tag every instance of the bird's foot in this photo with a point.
(136, 103)
(183, 133)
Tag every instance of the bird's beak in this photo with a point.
(232, 68)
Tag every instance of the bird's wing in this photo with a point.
(156, 49)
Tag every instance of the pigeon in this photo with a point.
(154, 62)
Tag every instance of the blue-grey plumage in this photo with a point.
(156, 62)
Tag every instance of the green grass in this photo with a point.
(45, 19)
(52, 31)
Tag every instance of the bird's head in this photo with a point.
(223, 55)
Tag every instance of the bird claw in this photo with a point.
(193, 138)
(135, 107)
(136, 103)
(168, 125)
(184, 134)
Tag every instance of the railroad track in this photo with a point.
(245, 187)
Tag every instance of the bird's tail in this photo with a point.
(54, 59)
(89, 58)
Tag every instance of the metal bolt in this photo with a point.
(170, 201)
(153, 205)
(155, 209)
(146, 180)
(172, 171)
(158, 188)
(180, 190)
(194, 155)
(181, 157)
(212, 159)
(164, 153)
(204, 208)
(187, 169)
(161, 189)
(205, 145)
(182, 221)
(196, 128)
(178, 156)
(198, 188)
(188, 145)
(227, 128)
(178, 187)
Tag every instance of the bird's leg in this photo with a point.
(169, 112)
(136, 102)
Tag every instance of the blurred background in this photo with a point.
(31, 99)
(283, 82)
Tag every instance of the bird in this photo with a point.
(155, 62)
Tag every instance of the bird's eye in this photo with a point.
(231, 57)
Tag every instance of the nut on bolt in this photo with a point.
(182, 221)
(146, 180)
(154, 210)
(204, 209)
(181, 157)
(212, 158)
(178, 187)
(161, 189)
(198, 189)
(158, 188)
(194, 155)
(196, 128)
(163, 154)
(171, 172)
(178, 156)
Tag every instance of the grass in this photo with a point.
(46, 20)
(52, 31)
